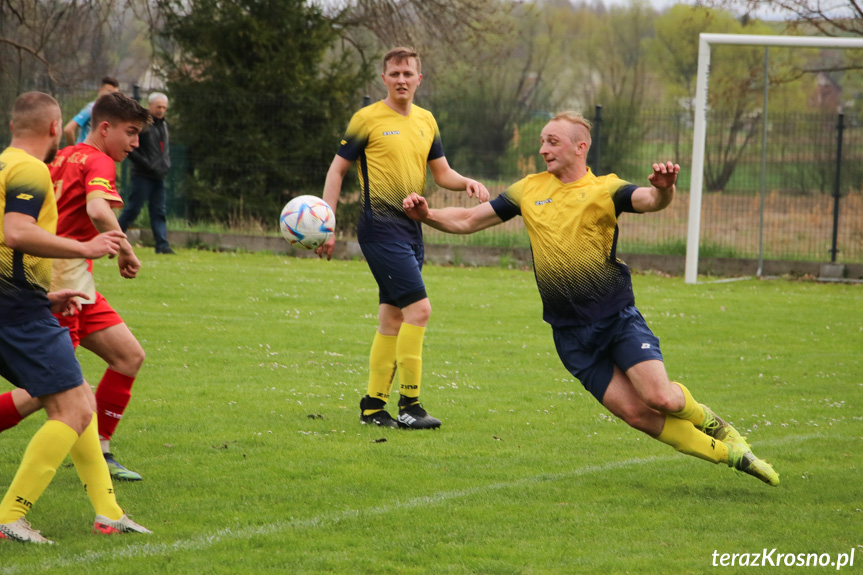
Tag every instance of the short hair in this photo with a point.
(400, 54)
(32, 113)
(156, 96)
(576, 119)
(116, 107)
(111, 81)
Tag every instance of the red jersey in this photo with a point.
(81, 173)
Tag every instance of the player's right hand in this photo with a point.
(107, 244)
(327, 248)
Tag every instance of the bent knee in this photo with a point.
(662, 401)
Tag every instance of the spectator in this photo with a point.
(82, 119)
(150, 164)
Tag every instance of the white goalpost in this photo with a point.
(698, 137)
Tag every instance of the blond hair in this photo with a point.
(577, 120)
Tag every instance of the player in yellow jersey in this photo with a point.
(36, 354)
(392, 142)
(601, 338)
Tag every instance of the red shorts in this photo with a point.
(93, 317)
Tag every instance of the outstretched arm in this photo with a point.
(661, 192)
(452, 220)
(446, 177)
(24, 235)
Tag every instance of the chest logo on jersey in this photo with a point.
(23, 196)
(393, 133)
(101, 182)
(543, 202)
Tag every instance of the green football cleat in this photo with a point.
(716, 427)
(740, 457)
(118, 471)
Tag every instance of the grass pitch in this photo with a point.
(244, 423)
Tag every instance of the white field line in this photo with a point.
(144, 549)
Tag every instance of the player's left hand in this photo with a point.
(416, 207)
(477, 190)
(64, 301)
(129, 264)
(664, 175)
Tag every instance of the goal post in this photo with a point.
(705, 40)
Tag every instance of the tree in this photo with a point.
(480, 98)
(617, 47)
(828, 18)
(736, 82)
(256, 99)
(48, 44)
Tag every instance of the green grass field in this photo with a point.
(244, 423)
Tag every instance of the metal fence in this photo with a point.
(804, 203)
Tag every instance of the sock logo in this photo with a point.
(112, 414)
(23, 502)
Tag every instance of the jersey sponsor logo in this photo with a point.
(393, 133)
(543, 202)
(101, 182)
(23, 196)
(645, 346)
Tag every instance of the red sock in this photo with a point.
(9, 416)
(112, 397)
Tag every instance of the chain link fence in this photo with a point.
(800, 187)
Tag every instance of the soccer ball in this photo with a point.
(308, 221)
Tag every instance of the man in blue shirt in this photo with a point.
(82, 119)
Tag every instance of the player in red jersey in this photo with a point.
(85, 187)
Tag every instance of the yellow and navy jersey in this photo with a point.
(573, 236)
(391, 152)
(25, 187)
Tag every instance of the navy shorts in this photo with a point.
(397, 267)
(590, 352)
(38, 356)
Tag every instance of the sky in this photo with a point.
(664, 4)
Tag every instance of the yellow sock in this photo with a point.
(409, 357)
(692, 410)
(682, 436)
(43, 456)
(93, 471)
(382, 368)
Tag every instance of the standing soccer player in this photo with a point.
(601, 338)
(36, 354)
(392, 143)
(85, 187)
